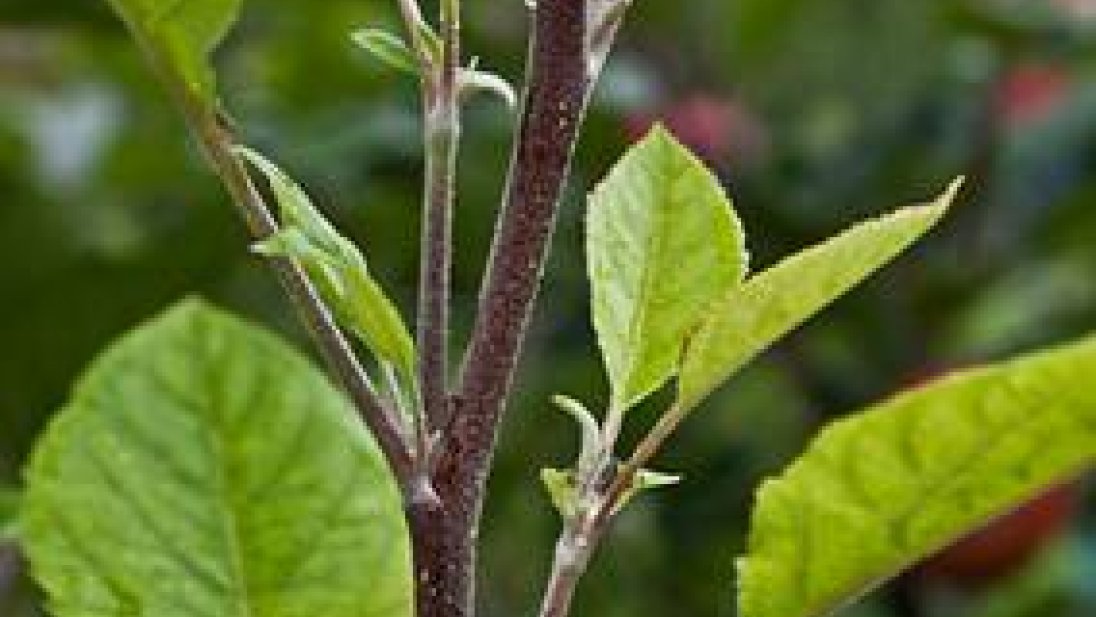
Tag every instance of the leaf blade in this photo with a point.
(204, 466)
(911, 474)
(339, 269)
(181, 35)
(662, 243)
(772, 303)
(387, 47)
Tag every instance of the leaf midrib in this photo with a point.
(665, 189)
(945, 481)
(227, 513)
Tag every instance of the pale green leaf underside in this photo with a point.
(662, 243)
(387, 47)
(875, 493)
(339, 270)
(770, 304)
(181, 34)
(471, 81)
(205, 469)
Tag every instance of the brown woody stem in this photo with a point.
(557, 90)
(439, 546)
(441, 110)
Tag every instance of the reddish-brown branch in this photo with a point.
(441, 126)
(557, 90)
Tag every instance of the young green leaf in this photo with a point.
(472, 81)
(9, 510)
(770, 304)
(877, 492)
(388, 48)
(180, 35)
(204, 467)
(339, 271)
(645, 480)
(662, 244)
(562, 488)
(590, 450)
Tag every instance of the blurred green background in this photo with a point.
(817, 113)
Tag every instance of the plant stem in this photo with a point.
(441, 109)
(558, 87)
(439, 542)
(557, 90)
(443, 555)
(412, 19)
(11, 567)
(584, 536)
(644, 452)
(573, 551)
(216, 143)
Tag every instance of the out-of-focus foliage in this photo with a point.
(818, 113)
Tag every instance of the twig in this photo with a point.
(416, 31)
(217, 143)
(581, 536)
(11, 567)
(573, 551)
(441, 109)
(557, 91)
(644, 452)
(442, 586)
(605, 18)
(561, 74)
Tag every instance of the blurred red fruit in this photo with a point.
(1030, 92)
(715, 129)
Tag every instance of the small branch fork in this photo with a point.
(598, 504)
(570, 41)
(444, 466)
(557, 90)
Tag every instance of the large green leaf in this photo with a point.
(181, 34)
(769, 305)
(339, 269)
(879, 491)
(662, 244)
(205, 469)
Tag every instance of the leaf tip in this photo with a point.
(660, 136)
(947, 198)
(189, 307)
